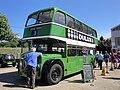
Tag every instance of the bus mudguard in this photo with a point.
(47, 65)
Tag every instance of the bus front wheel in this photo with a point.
(55, 74)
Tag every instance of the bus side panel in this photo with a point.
(74, 64)
(64, 61)
(27, 33)
(96, 41)
(44, 30)
(57, 30)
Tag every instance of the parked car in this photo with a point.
(7, 59)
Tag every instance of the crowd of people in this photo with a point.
(114, 58)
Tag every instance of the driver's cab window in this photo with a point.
(40, 47)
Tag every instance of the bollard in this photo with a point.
(95, 76)
(103, 71)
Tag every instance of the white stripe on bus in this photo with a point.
(68, 41)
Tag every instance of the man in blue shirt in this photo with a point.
(31, 61)
(100, 59)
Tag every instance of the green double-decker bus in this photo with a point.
(65, 43)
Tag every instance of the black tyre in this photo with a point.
(55, 74)
(14, 64)
(0, 65)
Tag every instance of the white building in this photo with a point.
(115, 37)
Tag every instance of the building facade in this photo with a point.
(115, 37)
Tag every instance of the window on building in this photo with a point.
(117, 41)
(116, 28)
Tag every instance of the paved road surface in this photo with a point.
(9, 80)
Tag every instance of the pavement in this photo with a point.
(10, 80)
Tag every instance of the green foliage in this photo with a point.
(7, 37)
(9, 44)
(5, 30)
(101, 38)
(104, 45)
(2, 44)
(25, 45)
(13, 44)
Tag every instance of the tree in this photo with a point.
(5, 30)
(104, 45)
(108, 45)
(101, 38)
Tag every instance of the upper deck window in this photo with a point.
(45, 17)
(42, 17)
(90, 32)
(78, 25)
(94, 34)
(32, 19)
(85, 30)
(70, 22)
(59, 18)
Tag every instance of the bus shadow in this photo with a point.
(74, 81)
(12, 79)
(8, 66)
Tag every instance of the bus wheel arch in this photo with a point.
(53, 71)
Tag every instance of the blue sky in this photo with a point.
(101, 15)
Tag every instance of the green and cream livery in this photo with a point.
(64, 41)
